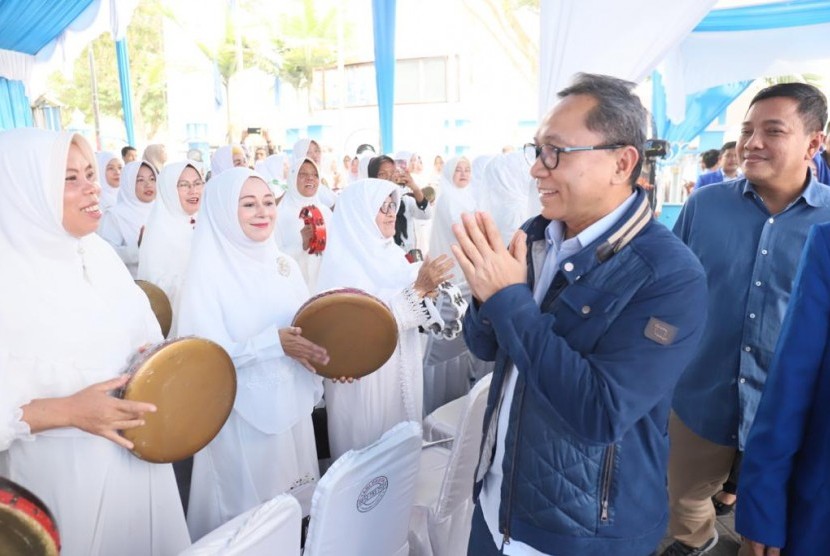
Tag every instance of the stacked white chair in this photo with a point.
(363, 503)
(443, 510)
(271, 528)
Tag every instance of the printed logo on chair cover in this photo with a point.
(372, 494)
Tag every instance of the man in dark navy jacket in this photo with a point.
(591, 314)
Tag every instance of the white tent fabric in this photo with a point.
(708, 59)
(33, 71)
(626, 39)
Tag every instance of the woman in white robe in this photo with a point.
(165, 246)
(449, 367)
(71, 318)
(362, 254)
(109, 178)
(309, 148)
(227, 157)
(122, 225)
(275, 170)
(292, 234)
(242, 292)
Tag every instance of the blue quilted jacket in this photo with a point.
(587, 443)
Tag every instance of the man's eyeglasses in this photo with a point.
(198, 184)
(388, 207)
(550, 153)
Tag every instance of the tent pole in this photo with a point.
(126, 94)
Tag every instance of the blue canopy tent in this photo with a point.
(34, 34)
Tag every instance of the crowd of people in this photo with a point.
(638, 374)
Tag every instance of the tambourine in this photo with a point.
(358, 331)
(27, 528)
(414, 256)
(192, 383)
(446, 315)
(311, 216)
(159, 304)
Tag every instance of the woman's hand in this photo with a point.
(306, 233)
(344, 379)
(432, 274)
(304, 351)
(95, 411)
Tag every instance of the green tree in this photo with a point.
(144, 40)
(305, 42)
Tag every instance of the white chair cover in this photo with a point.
(443, 510)
(442, 424)
(270, 528)
(363, 504)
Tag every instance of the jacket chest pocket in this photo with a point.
(583, 313)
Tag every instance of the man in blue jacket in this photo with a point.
(784, 492)
(591, 315)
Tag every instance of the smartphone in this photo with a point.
(401, 164)
(257, 130)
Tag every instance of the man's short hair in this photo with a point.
(619, 114)
(374, 165)
(125, 150)
(812, 104)
(727, 146)
(710, 158)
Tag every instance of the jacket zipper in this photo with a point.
(506, 531)
(607, 474)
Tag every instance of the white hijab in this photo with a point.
(450, 205)
(165, 248)
(236, 291)
(130, 213)
(109, 194)
(273, 170)
(70, 314)
(512, 193)
(358, 256)
(221, 160)
(288, 212)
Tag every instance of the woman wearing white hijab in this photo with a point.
(309, 148)
(242, 293)
(109, 176)
(362, 254)
(156, 155)
(511, 190)
(71, 318)
(227, 157)
(292, 234)
(165, 247)
(456, 198)
(121, 226)
(449, 367)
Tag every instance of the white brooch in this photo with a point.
(283, 267)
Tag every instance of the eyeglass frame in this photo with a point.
(190, 185)
(391, 207)
(539, 150)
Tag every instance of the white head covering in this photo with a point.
(273, 170)
(363, 166)
(237, 289)
(288, 211)
(477, 183)
(512, 192)
(70, 314)
(165, 248)
(155, 155)
(357, 255)
(109, 195)
(300, 150)
(234, 271)
(130, 213)
(222, 159)
(450, 205)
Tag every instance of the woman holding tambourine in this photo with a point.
(303, 239)
(362, 254)
(242, 292)
(71, 318)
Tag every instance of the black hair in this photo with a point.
(375, 164)
(812, 104)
